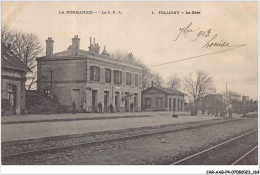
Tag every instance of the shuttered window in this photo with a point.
(117, 77)
(128, 78)
(94, 73)
(108, 76)
(136, 79)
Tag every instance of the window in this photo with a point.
(136, 79)
(94, 73)
(11, 94)
(128, 78)
(147, 103)
(108, 76)
(117, 77)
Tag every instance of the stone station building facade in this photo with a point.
(88, 76)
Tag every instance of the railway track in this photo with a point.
(47, 153)
(245, 155)
(207, 153)
(50, 150)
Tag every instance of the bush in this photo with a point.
(6, 107)
(40, 103)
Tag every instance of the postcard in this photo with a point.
(129, 83)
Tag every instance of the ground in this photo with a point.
(36, 126)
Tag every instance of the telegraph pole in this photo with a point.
(51, 82)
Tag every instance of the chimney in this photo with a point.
(97, 49)
(49, 47)
(104, 51)
(75, 45)
(91, 48)
(94, 48)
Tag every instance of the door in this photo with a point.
(127, 101)
(94, 101)
(170, 104)
(117, 104)
(135, 100)
(11, 93)
(159, 103)
(106, 97)
(147, 103)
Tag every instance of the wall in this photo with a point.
(181, 100)
(153, 97)
(75, 74)
(14, 78)
(154, 94)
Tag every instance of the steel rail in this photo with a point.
(242, 157)
(213, 147)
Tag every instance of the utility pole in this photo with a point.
(226, 92)
(51, 82)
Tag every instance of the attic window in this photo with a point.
(5, 57)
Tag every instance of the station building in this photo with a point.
(89, 76)
(12, 82)
(162, 99)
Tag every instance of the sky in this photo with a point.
(142, 29)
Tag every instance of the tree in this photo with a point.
(234, 96)
(157, 80)
(146, 77)
(198, 85)
(174, 82)
(6, 35)
(25, 46)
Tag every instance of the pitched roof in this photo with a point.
(83, 54)
(165, 90)
(69, 53)
(10, 61)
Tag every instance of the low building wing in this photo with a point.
(10, 61)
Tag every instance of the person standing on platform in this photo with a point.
(111, 108)
(100, 107)
(84, 106)
(73, 107)
(132, 107)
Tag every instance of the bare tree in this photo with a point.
(234, 96)
(174, 82)
(6, 36)
(198, 85)
(158, 80)
(26, 47)
(146, 77)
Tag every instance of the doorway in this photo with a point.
(170, 104)
(106, 98)
(94, 100)
(11, 95)
(117, 101)
(147, 103)
(159, 104)
(127, 101)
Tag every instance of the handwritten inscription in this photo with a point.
(211, 40)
